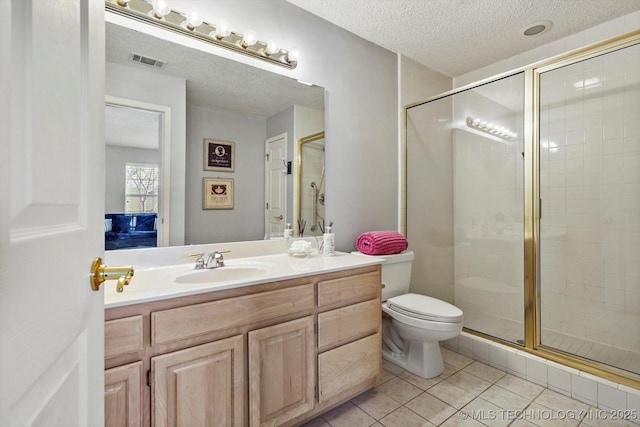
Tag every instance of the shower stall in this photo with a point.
(522, 205)
(310, 185)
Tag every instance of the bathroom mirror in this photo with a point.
(215, 98)
(310, 219)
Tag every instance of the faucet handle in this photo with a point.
(217, 258)
(199, 260)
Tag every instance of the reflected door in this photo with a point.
(276, 185)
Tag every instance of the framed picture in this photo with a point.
(219, 155)
(217, 193)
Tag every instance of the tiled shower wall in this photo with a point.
(312, 170)
(590, 188)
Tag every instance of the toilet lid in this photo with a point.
(424, 307)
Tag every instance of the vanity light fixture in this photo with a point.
(158, 13)
(491, 129)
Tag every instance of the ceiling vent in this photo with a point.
(141, 59)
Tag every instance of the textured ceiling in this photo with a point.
(212, 80)
(458, 36)
(130, 127)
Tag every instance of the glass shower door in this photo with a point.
(590, 224)
(465, 203)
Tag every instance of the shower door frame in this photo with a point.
(533, 202)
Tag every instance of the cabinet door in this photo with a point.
(199, 386)
(123, 396)
(281, 372)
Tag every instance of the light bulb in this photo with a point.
(160, 8)
(194, 20)
(221, 31)
(249, 39)
(293, 55)
(272, 47)
(123, 3)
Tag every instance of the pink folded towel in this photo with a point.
(381, 243)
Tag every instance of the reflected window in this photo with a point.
(141, 188)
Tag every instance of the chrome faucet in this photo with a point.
(214, 260)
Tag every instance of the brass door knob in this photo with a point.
(100, 272)
(279, 217)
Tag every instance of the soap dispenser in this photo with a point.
(288, 231)
(329, 241)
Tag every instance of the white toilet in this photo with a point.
(411, 337)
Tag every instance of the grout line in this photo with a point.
(476, 396)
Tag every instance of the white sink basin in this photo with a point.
(220, 274)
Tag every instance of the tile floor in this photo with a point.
(468, 393)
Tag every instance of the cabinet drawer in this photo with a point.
(353, 321)
(186, 322)
(348, 366)
(122, 336)
(351, 288)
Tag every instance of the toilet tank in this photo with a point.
(396, 273)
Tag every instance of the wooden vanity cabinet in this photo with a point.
(273, 354)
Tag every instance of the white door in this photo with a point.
(51, 212)
(276, 185)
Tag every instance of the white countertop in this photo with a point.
(158, 283)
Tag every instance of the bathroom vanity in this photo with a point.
(278, 348)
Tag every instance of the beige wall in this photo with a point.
(430, 218)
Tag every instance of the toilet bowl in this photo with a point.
(413, 324)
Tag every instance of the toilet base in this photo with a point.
(421, 358)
